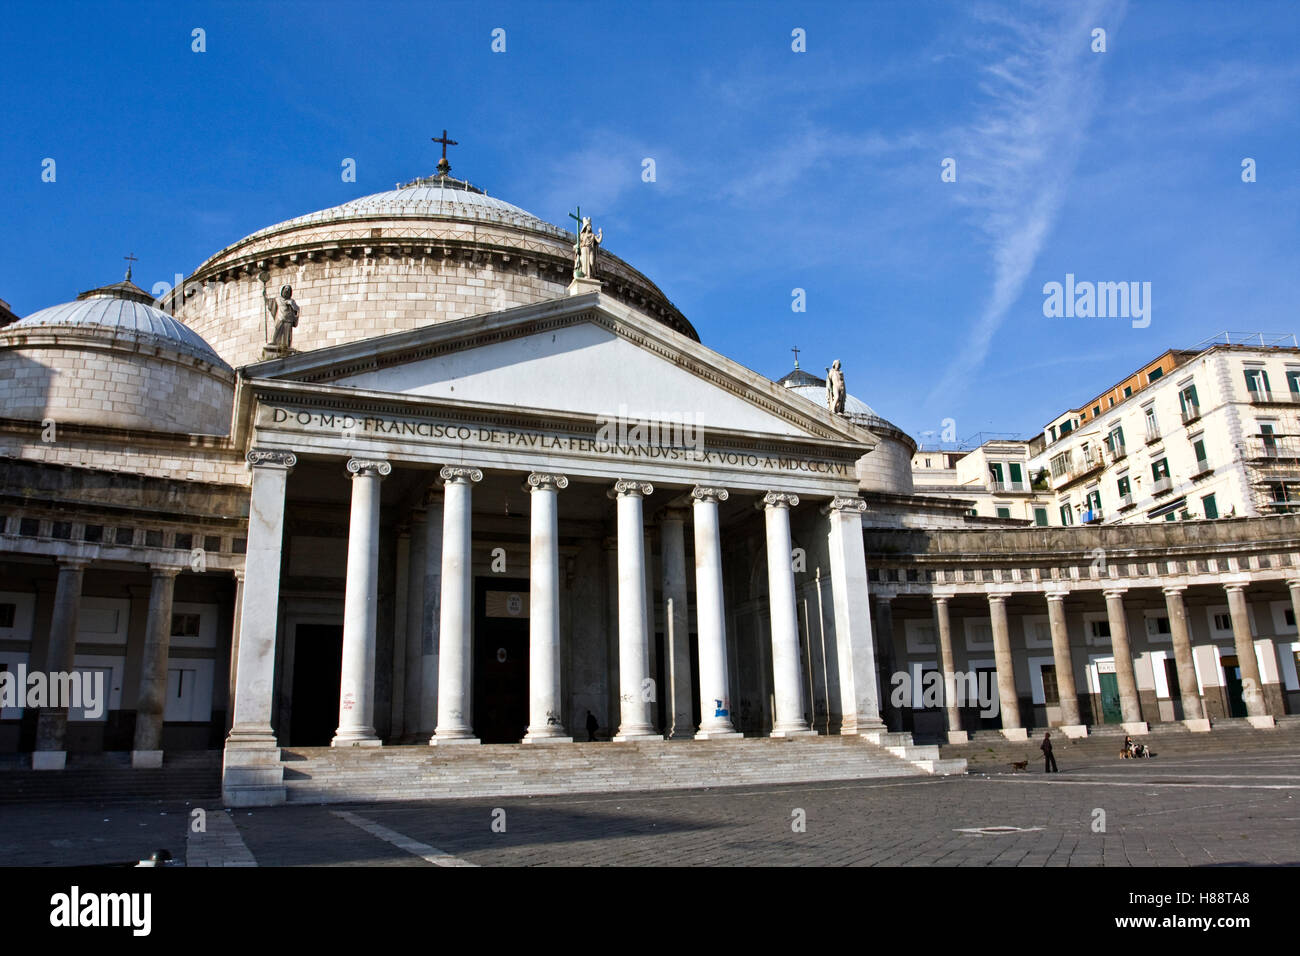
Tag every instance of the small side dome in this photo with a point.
(109, 358)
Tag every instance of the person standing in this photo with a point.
(1049, 762)
(592, 726)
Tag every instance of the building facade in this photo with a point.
(391, 474)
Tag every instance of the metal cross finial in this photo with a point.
(444, 167)
(577, 217)
(129, 259)
(796, 351)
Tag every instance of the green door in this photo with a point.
(1110, 712)
(1232, 674)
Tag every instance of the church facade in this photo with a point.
(403, 472)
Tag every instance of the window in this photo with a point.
(1040, 517)
(1154, 374)
(1013, 470)
(1092, 501)
(1123, 487)
(1115, 440)
(1004, 512)
(1153, 429)
(1067, 426)
(1051, 696)
(927, 463)
(185, 625)
(1128, 391)
(1096, 410)
(995, 469)
(1270, 442)
(1210, 506)
(1171, 516)
(1293, 382)
(7, 612)
(1160, 469)
(1223, 622)
(1100, 629)
(1189, 404)
(1112, 402)
(1067, 516)
(1157, 625)
(1257, 381)
(1060, 464)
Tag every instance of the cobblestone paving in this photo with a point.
(1181, 812)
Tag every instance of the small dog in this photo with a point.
(1019, 765)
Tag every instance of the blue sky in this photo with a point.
(775, 170)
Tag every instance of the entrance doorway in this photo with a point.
(500, 660)
(1110, 709)
(317, 670)
(1232, 684)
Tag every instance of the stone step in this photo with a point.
(322, 774)
(109, 778)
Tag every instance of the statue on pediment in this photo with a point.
(835, 393)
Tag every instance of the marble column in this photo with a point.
(252, 773)
(1066, 690)
(883, 607)
(787, 675)
(234, 647)
(1193, 714)
(545, 714)
(952, 709)
(455, 623)
(677, 634)
(855, 641)
(52, 722)
(413, 670)
(636, 691)
(360, 608)
(431, 613)
(1008, 702)
(152, 702)
(1129, 703)
(1252, 684)
(711, 618)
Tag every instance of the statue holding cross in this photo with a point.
(584, 250)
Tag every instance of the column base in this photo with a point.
(436, 741)
(1132, 727)
(1262, 722)
(49, 759)
(958, 737)
(252, 774)
(1074, 731)
(680, 735)
(146, 759)
(1198, 726)
(1015, 733)
(861, 725)
(794, 732)
(356, 742)
(543, 739)
(719, 735)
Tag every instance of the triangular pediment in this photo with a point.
(583, 356)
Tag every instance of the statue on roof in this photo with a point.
(835, 392)
(284, 312)
(584, 263)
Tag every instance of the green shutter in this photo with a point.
(1016, 475)
(1211, 508)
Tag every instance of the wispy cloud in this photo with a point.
(1039, 87)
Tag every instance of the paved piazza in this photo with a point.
(1219, 810)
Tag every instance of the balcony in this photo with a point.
(1119, 453)
(1162, 486)
(1125, 502)
(1202, 468)
(1191, 413)
(1091, 516)
(998, 487)
(1274, 447)
(1153, 434)
(1261, 396)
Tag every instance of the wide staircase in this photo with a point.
(988, 751)
(421, 772)
(193, 776)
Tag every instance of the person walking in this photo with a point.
(1049, 762)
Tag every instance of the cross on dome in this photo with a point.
(444, 167)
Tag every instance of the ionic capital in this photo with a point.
(1116, 593)
(626, 486)
(543, 481)
(845, 504)
(459, 475)
(779, 499)
(1174, 590)
(368, 468)
(164, 570)
(1057, 595)
(270, 458)
(709, 495)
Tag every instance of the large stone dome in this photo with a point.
(111, 359)
(432, 250)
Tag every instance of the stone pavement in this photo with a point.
(1212, 810)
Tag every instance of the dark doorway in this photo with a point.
(317, 669)
(1232, 673)
(1111, 713)
(500, 660)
